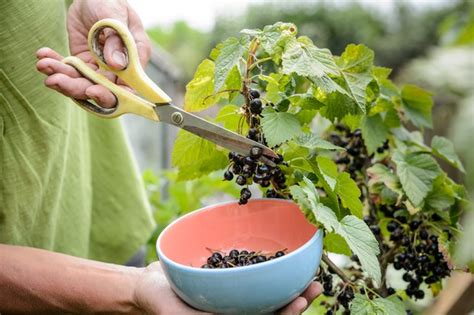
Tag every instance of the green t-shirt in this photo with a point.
(68, 182)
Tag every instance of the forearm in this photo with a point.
(38, 281)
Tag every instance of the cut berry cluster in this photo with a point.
(238, 259)
(247, 169)
(354, 158)
(344, 294)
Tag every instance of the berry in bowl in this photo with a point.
(241, 259)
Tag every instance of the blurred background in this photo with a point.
(429, 43)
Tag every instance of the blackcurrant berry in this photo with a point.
(419, 294)
(406, 277)
(424, 234)
(279, 253)
(375, 229)
(414, 224)
(392, 226)
(390, 291)
(249, 161)
(256, 152)
(254, 94)
(241, 180)
(228, 175)
(243, 201)
(256, 106)
(245, 193)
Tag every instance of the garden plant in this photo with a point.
(351, 153)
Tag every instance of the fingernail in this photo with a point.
(119, 58)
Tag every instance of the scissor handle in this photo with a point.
(133, 74)
(127, 102)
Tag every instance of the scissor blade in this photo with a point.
(230, 140)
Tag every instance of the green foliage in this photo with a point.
(389, 306)
(300, 84)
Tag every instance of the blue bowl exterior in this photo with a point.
(255, 289)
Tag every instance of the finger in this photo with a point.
(312, 292)
(50, 66)
(71, 87)
(114, 52)
(140, 36)
(296, 307)
(47, 52)
(101, 96)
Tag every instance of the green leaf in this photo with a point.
(442, 196)
(311, 141)
(229, 56)
(277, 83)
(374, 132)
(363, 243)
(380, 174)
(417, 104)
(335, 243)
(194, 156)
(229, 116)
(328, 170)
(349, 193)
(199, 91)
(417, 173)
(338, 106)
(305, 59)
(355, 64)
(362, 305)
(444, 149)
(234, 80)
(354, 231)
(279, 127)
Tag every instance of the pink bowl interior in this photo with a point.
(261, 225)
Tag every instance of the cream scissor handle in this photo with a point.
(133, 74)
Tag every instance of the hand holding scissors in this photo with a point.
(153, 103)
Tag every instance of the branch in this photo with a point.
(336, 269)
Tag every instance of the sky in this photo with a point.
(201, 14)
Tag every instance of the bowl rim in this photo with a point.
(318, 234)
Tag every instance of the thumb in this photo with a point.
(114, 50)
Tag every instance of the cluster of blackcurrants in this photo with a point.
(343, 297)
(238, 259)
(417, 251)
(247, 169)
(354, 158)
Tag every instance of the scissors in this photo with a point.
(152, 103)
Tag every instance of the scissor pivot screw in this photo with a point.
(177, 118)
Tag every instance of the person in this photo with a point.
(72, 207)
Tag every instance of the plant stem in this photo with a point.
(336, 269)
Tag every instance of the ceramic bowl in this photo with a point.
(266, 225)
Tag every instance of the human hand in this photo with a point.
(154, 296)
(81, 16)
